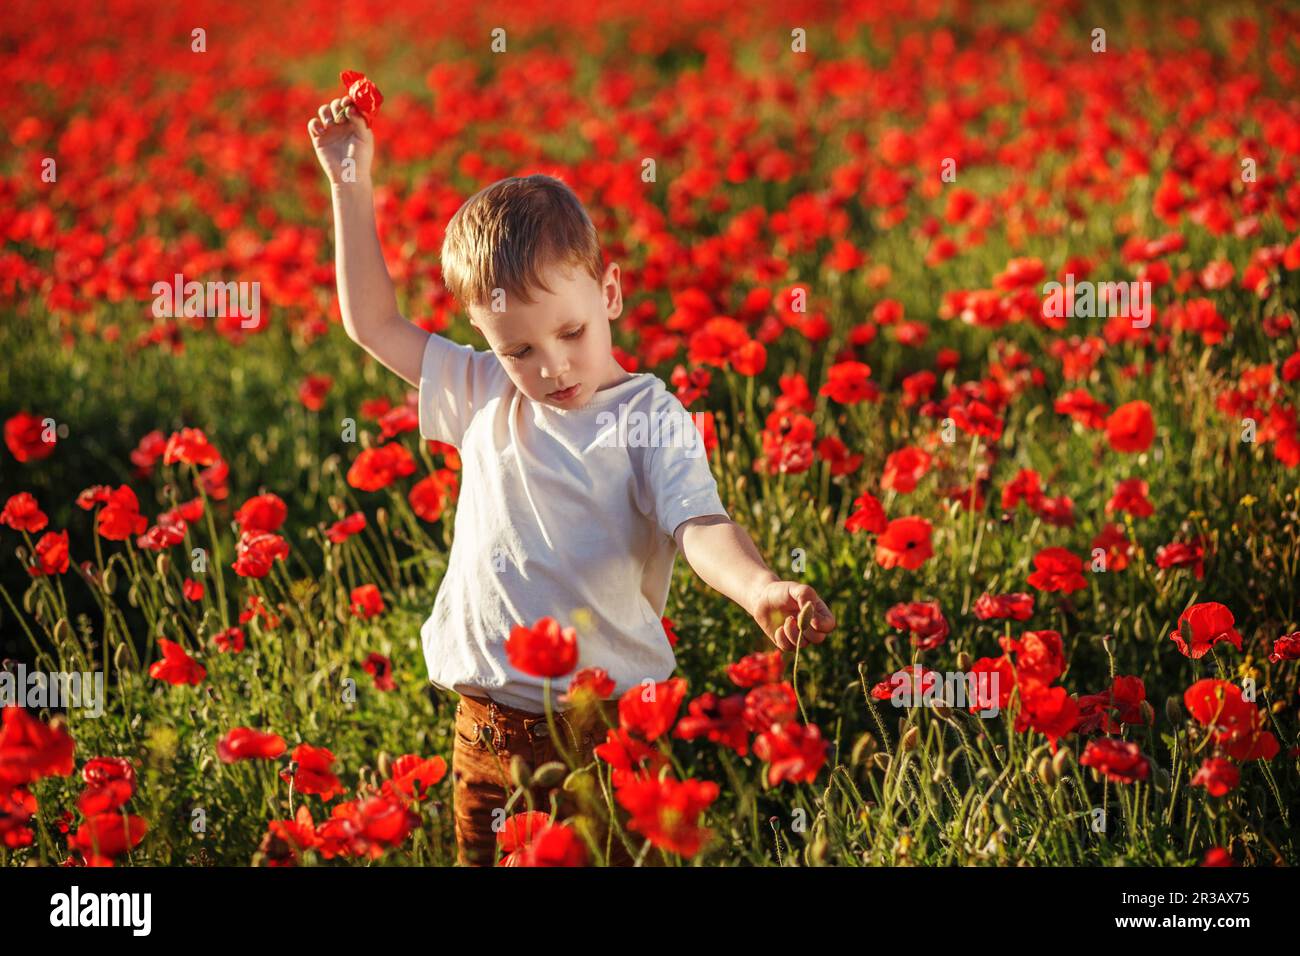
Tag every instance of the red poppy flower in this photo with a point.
(1131, 496)
(364, 94)
(1202, 626)
(1235, 724)
(381, 669)
(905, 543)
(264, 512)
(192, 590)
(593, 683)
(22, 513)
(285, 839)
(1039, 655)
(650, 711)
(847, 383)
(256, 551)
(430, 495)
(759, 668)
(1056, 569)
(190, 446)
(770, 704)
(1217, 776)
(1286, 648)
(1123, 700)
(868, 515)
(312, 391)
(544, 649)
(246, 743)
(833, 451)
(718, 719)
(1217, 856)
(312, 772)
(1083, 408)
(904, 468)
(794, 752)
(377, 468)
(50, 556)
(667, 812)
(629, 758)
(922, 619)
(1120, 761)
(120, 517)
(366, 601)
(414, 776)
(31, 749)
(176, 667)
(108, 835)
(345, 528)
(26, 437)
(1130, 428)
(229, 641)
(1018, 606)
(976, 418)
(1182, 554)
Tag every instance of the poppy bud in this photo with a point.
(520, 773)
(549, 774)
(1000, 814)
(964, 661)
(381, 518)
(385, 764)
(62, 630)
(881, 761)
(1148, 712)
(163, 564)
(110, 581)
(29, 596)
(133, 596)
(911, 738)
(1162, 780)
(1173, 710)
(1046, 773)
(1058, 761)
(818, 850)
(943, 713)
(863, 749)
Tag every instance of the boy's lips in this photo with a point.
(564, 394)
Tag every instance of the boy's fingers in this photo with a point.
(326, 118)
(336, 107)
(314, 127)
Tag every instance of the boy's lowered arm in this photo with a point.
(725, 557)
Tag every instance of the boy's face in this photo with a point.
(562, 340)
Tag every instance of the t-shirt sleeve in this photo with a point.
(455, 382)
(680, 480)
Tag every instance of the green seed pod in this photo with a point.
(1174, 710)
(863, 749)
(520, 773)
(549, 774)
(964, 661)
(1148, 713)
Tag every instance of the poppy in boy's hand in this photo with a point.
(363, 93)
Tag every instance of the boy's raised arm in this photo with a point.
(344, 145)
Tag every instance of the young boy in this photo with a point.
(565, 510)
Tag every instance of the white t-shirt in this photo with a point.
(559, 509)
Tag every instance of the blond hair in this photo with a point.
(507, 233)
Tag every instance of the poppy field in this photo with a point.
(991, 311)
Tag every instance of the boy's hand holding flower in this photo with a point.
(786, 610)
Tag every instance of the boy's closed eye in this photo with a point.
(520, 353)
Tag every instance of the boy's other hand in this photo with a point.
(781, 605)
(338, 133)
